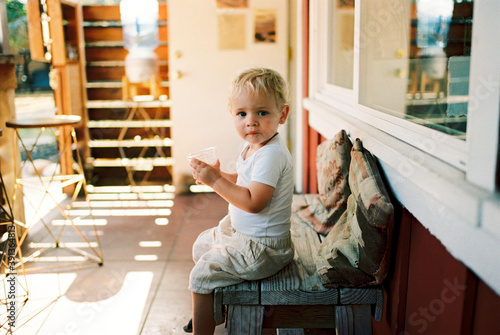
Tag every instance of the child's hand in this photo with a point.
(204, 173)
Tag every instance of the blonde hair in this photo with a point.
(260, 80)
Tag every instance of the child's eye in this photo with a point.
(263, 113)
(242, 114)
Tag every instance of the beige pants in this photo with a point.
(226, 257)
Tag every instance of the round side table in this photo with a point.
(70, 180)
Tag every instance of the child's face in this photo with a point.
(256, 117)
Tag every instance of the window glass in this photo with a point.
(414, 61)
(340, 43)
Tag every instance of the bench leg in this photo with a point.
(353, 320)
(244, 320)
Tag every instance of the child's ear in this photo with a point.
(284, 114)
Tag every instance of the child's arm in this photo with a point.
(230, 176)
(252, 199)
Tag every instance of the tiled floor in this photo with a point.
(142, 286)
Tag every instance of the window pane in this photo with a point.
(341, 43)
(415, 61)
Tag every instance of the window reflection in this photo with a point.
(341, 43)
(423, 74)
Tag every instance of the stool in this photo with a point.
(71, 180)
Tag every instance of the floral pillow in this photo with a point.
(332, 162)
(356, 251)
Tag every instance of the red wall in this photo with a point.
(430, 292)
(311, 136)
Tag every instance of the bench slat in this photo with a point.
(359, 296)
(246, 293)
(299, 298)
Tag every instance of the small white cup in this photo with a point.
(208, 155)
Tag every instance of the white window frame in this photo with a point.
(448, 184)
(448, 148)
(484, 93)
(325, 90)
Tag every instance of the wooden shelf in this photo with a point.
(129, 123)
(142, 164)
(128, 104)
(165, 142)
(117, 84)
(115, 122)
(114, 24)
(115, 63)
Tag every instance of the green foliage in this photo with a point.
(15, 10)
(18, 26)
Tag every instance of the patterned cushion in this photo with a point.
(356, 251)
(332, 161)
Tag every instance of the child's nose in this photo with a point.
(251, 120)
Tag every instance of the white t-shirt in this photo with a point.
(271, 165)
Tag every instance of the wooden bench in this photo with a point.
(295, 298)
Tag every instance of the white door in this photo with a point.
(207, 47)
